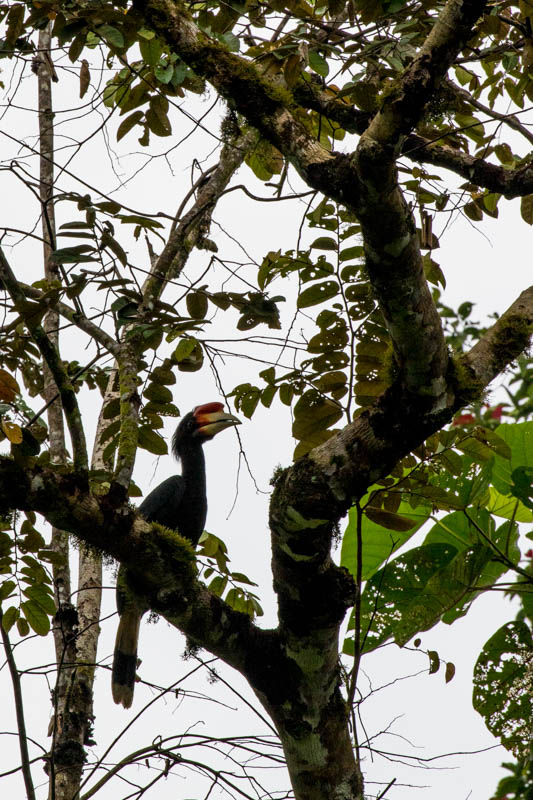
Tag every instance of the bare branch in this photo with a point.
(73, 316)
(19, 707)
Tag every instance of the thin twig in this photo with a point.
(19, 709)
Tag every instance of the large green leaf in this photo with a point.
(473, 528)
(519, 437)
(394, 595)
(461, 530)
(413, 592)
(379, 542)
(508, 507)
(502, 686)
(37, 618)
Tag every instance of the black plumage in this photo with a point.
(179, 503)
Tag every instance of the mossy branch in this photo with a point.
(265, 104)
(128, 368)
(158, 560)
(504, 341)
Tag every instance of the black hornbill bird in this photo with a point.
(179, 503)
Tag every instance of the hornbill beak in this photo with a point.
(211, 418)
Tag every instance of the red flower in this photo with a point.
(464, 419)
(497, 411)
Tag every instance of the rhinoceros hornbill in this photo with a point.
(179, 503)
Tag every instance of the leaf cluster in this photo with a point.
(26, 586)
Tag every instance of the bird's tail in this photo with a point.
(125, 657)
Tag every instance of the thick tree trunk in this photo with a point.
(316, 740)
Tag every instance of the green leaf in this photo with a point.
(478, 451)
(22, 626)
(15, 25)
(494, 441)
(112, 35)
(151, 441)
(109, 206)
(145, 33)
(379, 542)
(464, 533)
(526, 208)
(473, 212)
(180, 71)
(508, 507)
(505, 155)
(157, 116)
(38, 619)
(5, 589)
(324, 243)
(193, 362)
(389, 520)
(137, 219)
(111, 243)
(74, 255)
(416, 590)
(240, 577)
(164, 72)
(184, 349)
(286, 393)
(40, 595)
(502, 686)
(318, 293)
(32, 541)
(459, 531)
(350, 253)
(318, 63)
(257, 164)
(76, 48)
(463, 75)
(197, 304)
(522, 486)
(158, 393)
(394, 603)
(218, 585)
(450, 671)
(519, 438)
(151, 50)
(128, 123)
(34, 569)
(313, 415)
(267, 395)
(434, 661)
(164, 375)
(9, 618)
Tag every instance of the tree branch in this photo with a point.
(402, 108)
(185, 236)
(510, 182)
(19, 708)
(30, 313)
(512, 332)
(160, 563)
(265, 105)
(73, 316)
